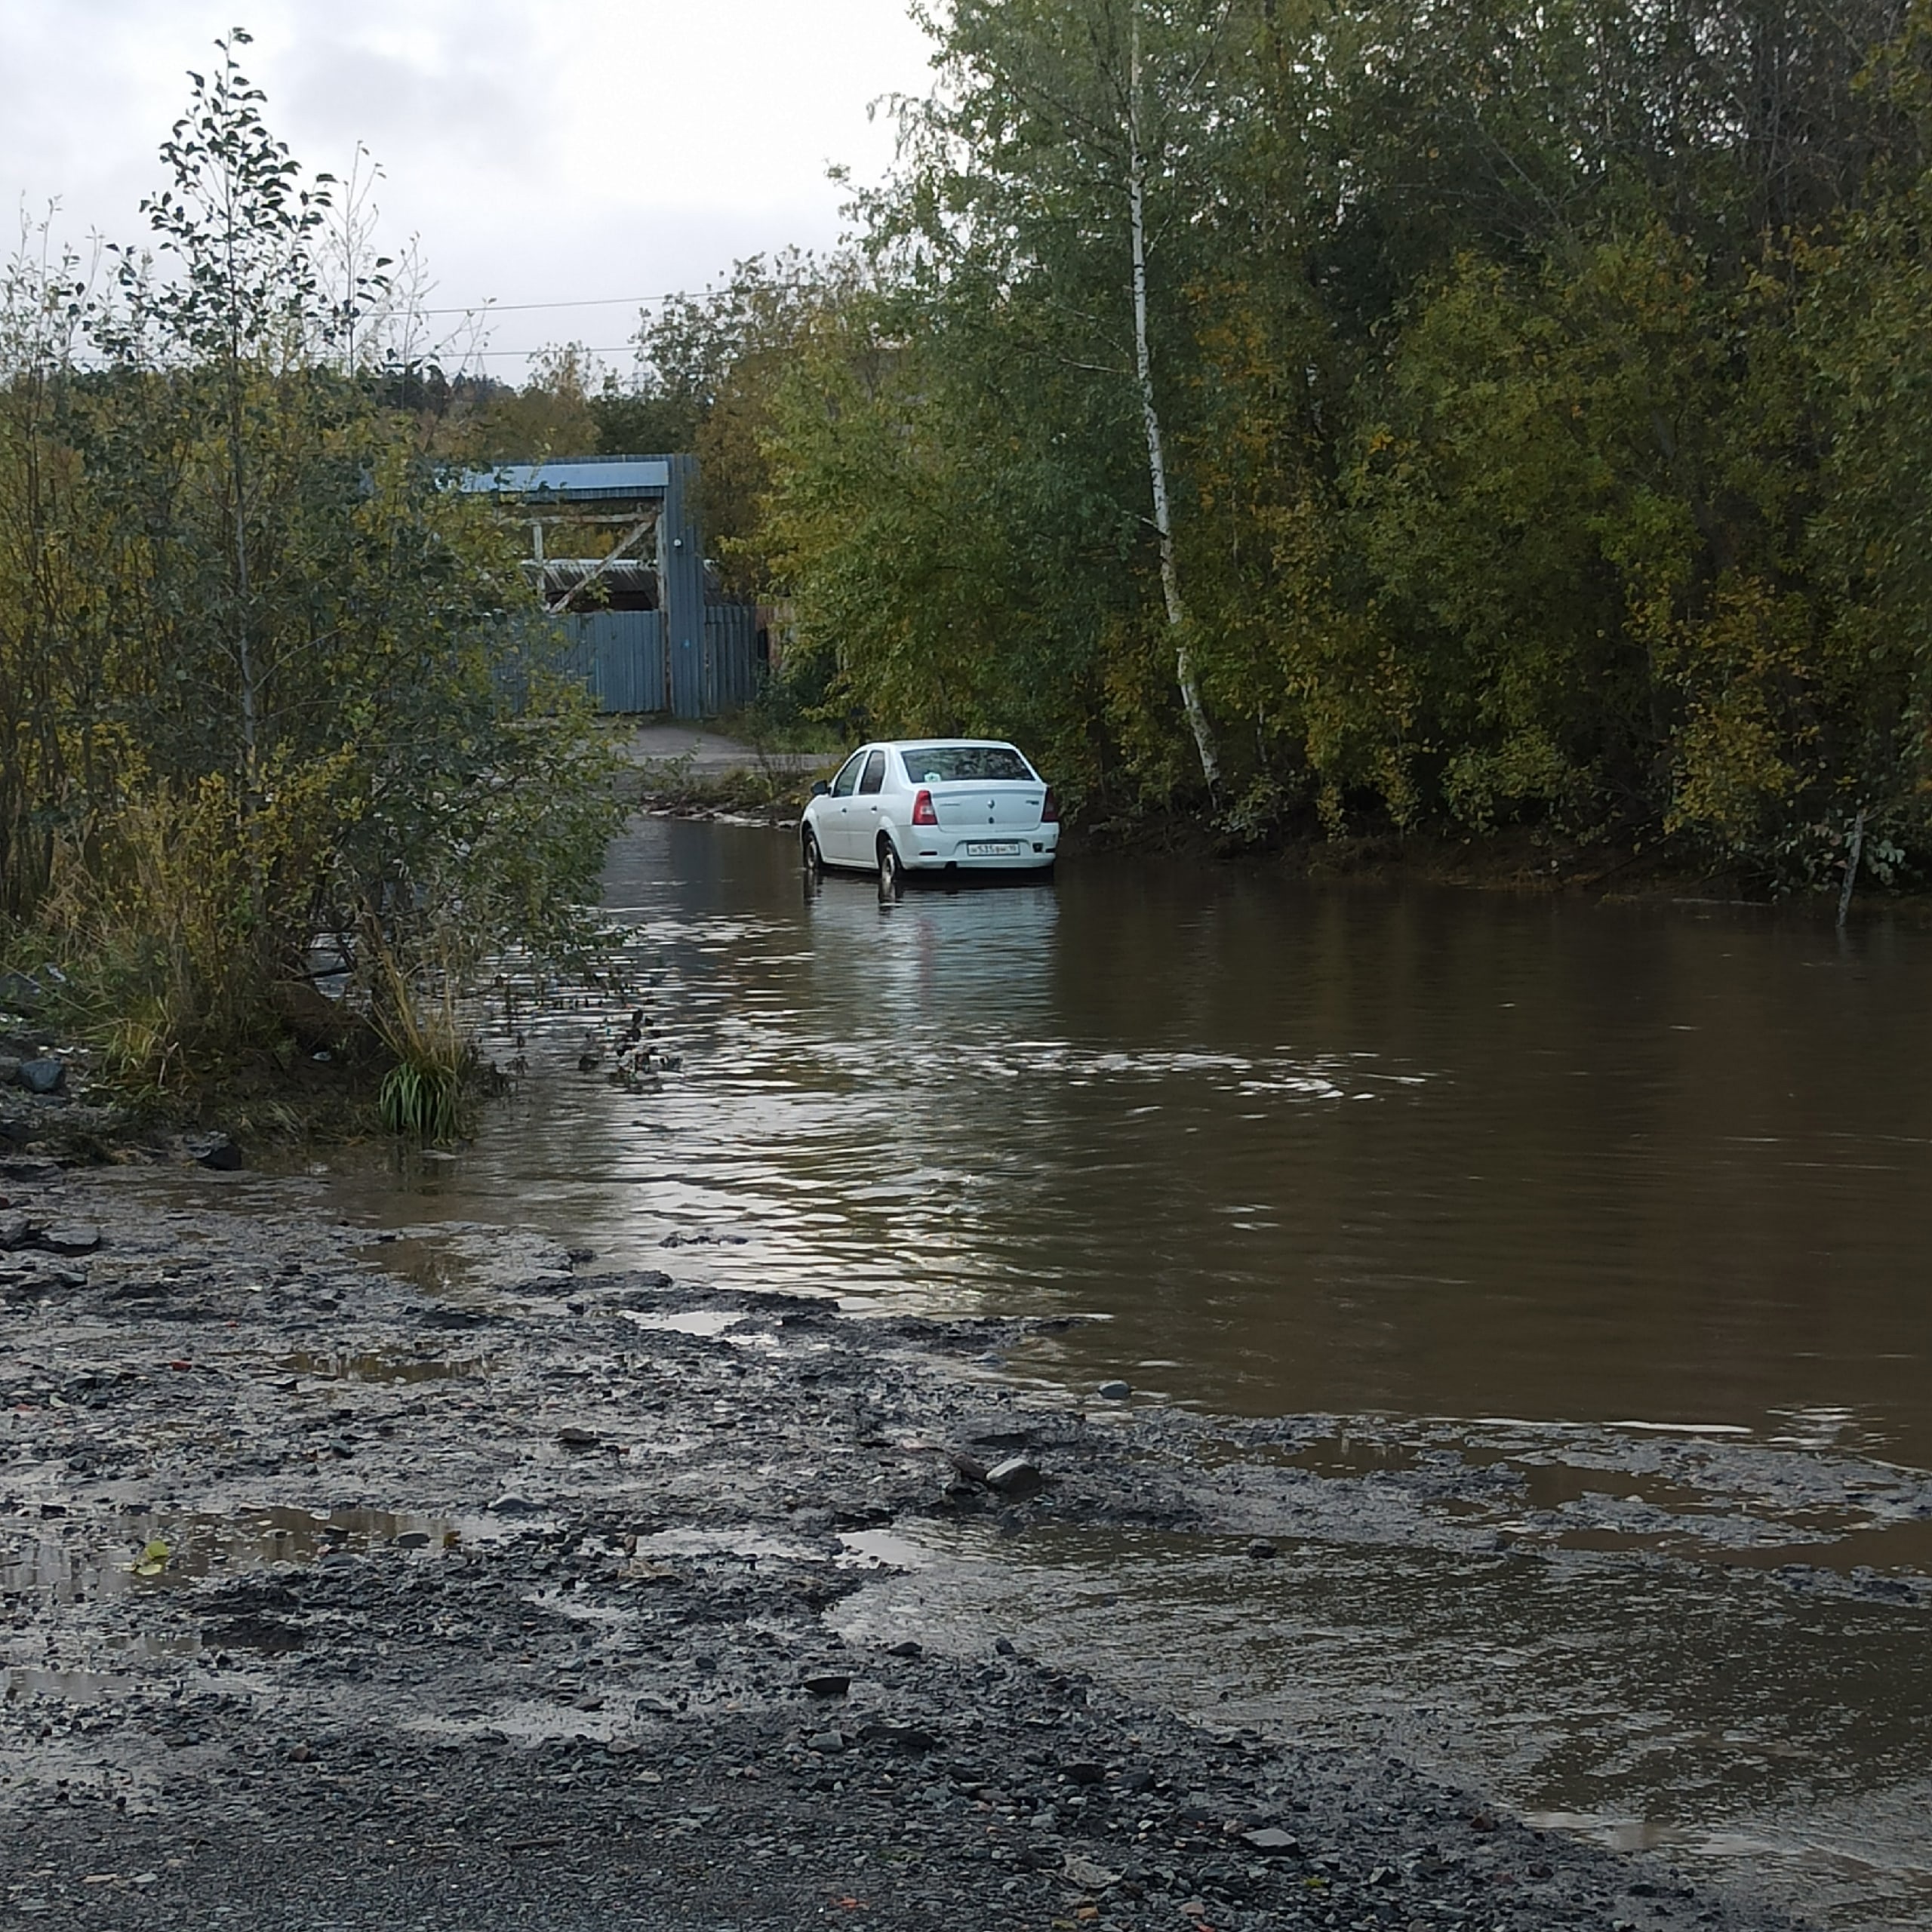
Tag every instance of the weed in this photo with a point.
(422, 1103)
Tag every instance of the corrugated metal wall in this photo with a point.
(730, 654)
(620, 656)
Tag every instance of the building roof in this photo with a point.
(582, 479)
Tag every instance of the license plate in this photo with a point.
(993, 848)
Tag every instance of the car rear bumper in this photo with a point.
(930, 851)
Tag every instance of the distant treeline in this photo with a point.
(1541, 395)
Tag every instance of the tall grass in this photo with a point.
(153, 911)
(416, 1009)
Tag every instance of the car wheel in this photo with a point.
(891, 873)
(814, 859)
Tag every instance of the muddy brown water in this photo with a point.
(1631, 1201)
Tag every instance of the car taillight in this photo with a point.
(1050, 811)
(922, 810)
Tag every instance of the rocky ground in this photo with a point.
(328, 1599)
(43, 1095)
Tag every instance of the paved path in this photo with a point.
(658, 742)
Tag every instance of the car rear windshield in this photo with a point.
(943, 764)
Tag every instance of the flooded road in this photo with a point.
(1337, 1149)
(1628, 1203)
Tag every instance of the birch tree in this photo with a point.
(1076, 128)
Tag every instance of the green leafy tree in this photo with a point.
(285, 710)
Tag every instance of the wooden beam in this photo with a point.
(603, 563)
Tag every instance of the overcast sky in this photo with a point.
(545, 150)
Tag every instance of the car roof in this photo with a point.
(900, 744)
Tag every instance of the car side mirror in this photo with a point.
(820, 789)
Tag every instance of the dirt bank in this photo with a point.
(450, 1583)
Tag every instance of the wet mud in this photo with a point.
(549, 1596)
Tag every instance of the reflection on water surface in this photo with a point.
(1319, 1148)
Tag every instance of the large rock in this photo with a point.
(47, 1076)
(214, 1150)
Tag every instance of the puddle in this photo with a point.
(1689, 1709)
(1901, 1551)
(1351, 1456)
(430, 1263)
(1589, 1506)
(739, 1540)
(71, 1561)
(341, 1368)
(1822, 1857)
(1749, 1510)
(1555, 1485)
(873, 1549)
(706, 1322)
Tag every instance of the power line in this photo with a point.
(591, 302)
(480, 308)
(624, 348)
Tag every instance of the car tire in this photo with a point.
(891, 871)
(812, 858)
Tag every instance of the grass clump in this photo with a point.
(422, 1103)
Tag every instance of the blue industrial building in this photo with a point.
(638, 621)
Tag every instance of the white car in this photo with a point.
(932, 805)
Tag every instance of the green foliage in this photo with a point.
(556, 413)
(1544, 397)
(263, 685)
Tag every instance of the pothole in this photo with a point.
(430, 1264)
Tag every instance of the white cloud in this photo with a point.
(543, 151)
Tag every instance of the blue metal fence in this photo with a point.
(730, 656)
(621, 656)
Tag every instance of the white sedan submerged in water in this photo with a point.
(932, 805)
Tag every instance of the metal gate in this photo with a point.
(619, 656)
(626, 663)
(730, 654)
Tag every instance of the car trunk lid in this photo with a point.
(996, 806)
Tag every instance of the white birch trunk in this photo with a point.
(1157, 465)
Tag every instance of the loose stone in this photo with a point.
(1016, 1476)
(1271, 1838)
(77, 1239)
